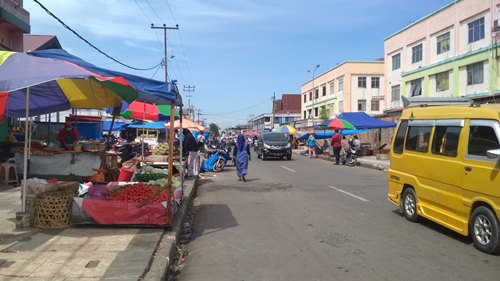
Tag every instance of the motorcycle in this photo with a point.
(350, 158)
(216, 160)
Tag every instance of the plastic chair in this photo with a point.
(8, 173)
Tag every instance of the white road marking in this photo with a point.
(350, 194)
(293, 171)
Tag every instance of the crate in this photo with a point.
(157, 158)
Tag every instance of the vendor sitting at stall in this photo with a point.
(68, 135)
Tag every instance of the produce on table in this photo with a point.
(160, 149)
(138, 193)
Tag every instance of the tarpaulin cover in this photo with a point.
(117, 126)
(124, 213)
(149, 90)
(151, 126)
(361, 120)
(327, 135)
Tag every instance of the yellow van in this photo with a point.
(445, 166)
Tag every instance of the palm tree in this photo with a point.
(324, 113)
(213, 129)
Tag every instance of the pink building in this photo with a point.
(14, 21)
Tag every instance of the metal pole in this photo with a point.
(25, 160)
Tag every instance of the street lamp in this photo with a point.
(313, 93)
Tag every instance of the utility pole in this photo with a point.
(272, 119)
(165, 27)
(189, 89)
(199, 114)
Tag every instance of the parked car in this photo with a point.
(445, 166)
(274, 145)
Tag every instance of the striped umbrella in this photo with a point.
(338, 123)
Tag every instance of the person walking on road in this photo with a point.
(337, 145)
(241, 154)
(311, 145)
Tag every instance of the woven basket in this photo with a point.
(53, 209)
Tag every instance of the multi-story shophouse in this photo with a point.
(452, 52)
(286, 111)
(348, 87)
(14, 21)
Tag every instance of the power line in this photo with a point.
(150, 21)
(90, 44)
(154, 12)
(240, 110)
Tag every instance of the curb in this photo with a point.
(380, 167)
(160, 264)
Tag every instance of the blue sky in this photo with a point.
(235, 52)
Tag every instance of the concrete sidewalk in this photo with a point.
(365, 161)
(86, 252)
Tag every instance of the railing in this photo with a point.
(17, 10)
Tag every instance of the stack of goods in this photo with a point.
(151, 175)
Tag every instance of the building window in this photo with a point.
(305, 114)
(476, 30)
(316, 94)
(341, 84)
(418, 138)
(361, 82)
(323, 91)
(475, 73)
(443, 43)
(395, 93)
(361, 105)
(305, 98)
(446, 140)
(315, 111)
(442, 81)
(375, 105)
(375, 82)
(341, 106)
(416, 88)
(416, 53)
(330, 108)
(396, 61)
(310, 96)
(332, 88)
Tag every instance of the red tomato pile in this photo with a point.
(138, 193)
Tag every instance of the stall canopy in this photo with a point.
(361, 120)
(149, 90)
(327, 135)
(150, 125)
(117, 126)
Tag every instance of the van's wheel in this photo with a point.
(409, 205)
(485, 230)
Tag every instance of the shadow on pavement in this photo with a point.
(212, 218)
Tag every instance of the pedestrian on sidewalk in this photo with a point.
(241, 154)
(191, 147)
(337, 145)
(311, 145)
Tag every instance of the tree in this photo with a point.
(324, 113)
(213, 129)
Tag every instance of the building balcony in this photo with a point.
(15, 14)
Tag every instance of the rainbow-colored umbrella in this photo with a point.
(337, 123)
(285, 129)
(146, 111)
(54, 85)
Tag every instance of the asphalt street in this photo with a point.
(306, 219)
